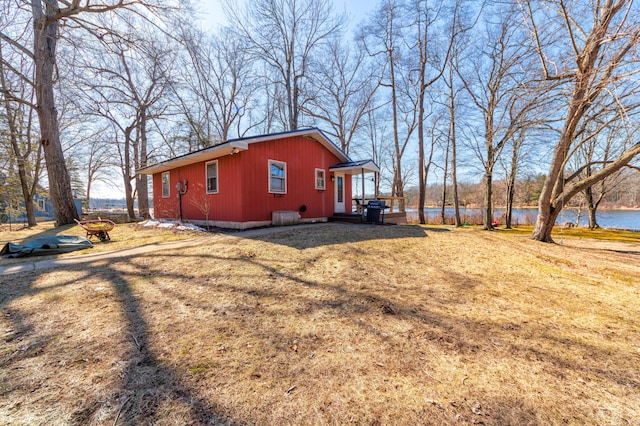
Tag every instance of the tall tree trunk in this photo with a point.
(295, 110)
(444, 186)
(488, 166)
(545, 227)
(26, 194)
(511, 186)
(143, 196)
(488, 195)
(35, 182)
(593, 74)
(426, 168)
(547, 212)
(88, 192)
(142, 179)
(397, 173)
(421, 163)
(45, 38)
(126, 174)
(508, 215)
(128, 193)
(454, 167)
(592, 207)
(21, 159)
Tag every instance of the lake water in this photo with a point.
(615, 219)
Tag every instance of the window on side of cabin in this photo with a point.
(41, 205)
(277, 177)
(320, 182)
(212, 177)
(166, 190)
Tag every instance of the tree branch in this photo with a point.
(623, 160)
(17, 45)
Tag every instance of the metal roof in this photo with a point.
(234, 146)
(353, 167)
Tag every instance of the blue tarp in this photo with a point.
(43, 246)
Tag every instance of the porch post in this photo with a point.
(362, 172)
(376, 176)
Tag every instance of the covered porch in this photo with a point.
(394, 210)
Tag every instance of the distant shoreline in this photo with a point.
(624, 208)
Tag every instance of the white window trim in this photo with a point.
(284, 167)
(168, 194)
(324, 179)
(206, 177)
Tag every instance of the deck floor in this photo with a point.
(395, 217)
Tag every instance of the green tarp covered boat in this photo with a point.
(43, 246)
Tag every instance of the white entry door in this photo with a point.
(338, 185)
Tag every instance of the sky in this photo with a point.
(106, 190)
(212, 18)
(356, 11)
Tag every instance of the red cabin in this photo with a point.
(283, 178)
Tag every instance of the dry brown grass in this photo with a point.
(330, 324)
(123, 236)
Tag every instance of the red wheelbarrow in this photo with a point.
(97, 228)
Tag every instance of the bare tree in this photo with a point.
(377, 132)
(345, 89)
(98, 161)
(128, 86)
(383, 39)
(594, 58)
(427, 163)
(433, 57)
(453, 136)
(496, 84)
(286, 35)
(47, 16)
(445, 177)
(218, 87)
(595, 152)
(17, 140)
(388, 17)
(517, 142)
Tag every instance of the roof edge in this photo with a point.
(233, 145)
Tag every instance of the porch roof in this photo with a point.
(355, 167)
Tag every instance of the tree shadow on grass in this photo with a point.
(334, 233)
(456, 335)
(147, 383)
(349, 302)
(146, 386)
(436, 230)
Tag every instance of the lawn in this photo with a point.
(123, 236)
(331, 324)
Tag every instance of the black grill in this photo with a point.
(375, 209)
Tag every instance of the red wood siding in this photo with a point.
(243, 184)
(165, 207)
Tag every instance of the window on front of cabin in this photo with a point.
(166, 191)
(212, 177)
(277, 177)
(320, 179)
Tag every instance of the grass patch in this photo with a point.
(123, 236)
(331, 324)
(611, 235)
